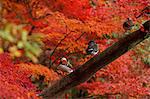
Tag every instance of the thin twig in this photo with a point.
(59, 43)
(80, 36)
(32, 28)
(68, 47)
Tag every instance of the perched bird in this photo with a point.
(65, 65)
(92, 48)
(145, 11)
(128, 24)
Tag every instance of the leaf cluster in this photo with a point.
(16, 40)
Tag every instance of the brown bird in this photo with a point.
(128, 24)
(65, 65)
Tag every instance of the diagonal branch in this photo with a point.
(88, 69)
(58, 45)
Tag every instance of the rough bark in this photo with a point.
(84, 72)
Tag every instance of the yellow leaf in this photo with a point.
(1, 50)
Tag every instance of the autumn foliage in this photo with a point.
(67, 26)
(14, 82)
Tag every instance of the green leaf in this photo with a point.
(24, 35)
(20, 45)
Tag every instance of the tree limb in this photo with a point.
(88, 69)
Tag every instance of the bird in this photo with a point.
(65, 65)
(92, 48)
(145, 11)
(128, 24)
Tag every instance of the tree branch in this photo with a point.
(88, 69)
